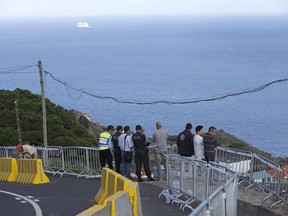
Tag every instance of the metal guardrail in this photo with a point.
(221, 202)
(257, 171)
(186, 178)
(283, 188)
(192, 181)
(78, 161)
(189, 180)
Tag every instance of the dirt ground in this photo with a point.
(254, 197)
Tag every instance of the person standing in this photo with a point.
(116, 148)
(185, 142)
(198, 143)
(26, 151)
(126, 145)
(159, 138)
(210, 144)
(106, 147)
(141, 154)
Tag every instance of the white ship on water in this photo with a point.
(83, 25)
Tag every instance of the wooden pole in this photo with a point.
(43, 105)
(18, 122)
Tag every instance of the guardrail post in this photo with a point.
(87, 160)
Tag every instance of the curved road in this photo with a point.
(69, 196)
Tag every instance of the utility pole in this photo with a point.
(43, 105)
(18, 122)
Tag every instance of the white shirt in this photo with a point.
(129, 145)
(29, 150)
(198, 147)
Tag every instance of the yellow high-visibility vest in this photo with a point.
(103, 140)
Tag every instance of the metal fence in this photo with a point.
(222, 201)
(78, 161)
(256, 171)
(215, 186)
(191, 181)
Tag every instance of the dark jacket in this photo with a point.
(210, 144)
(185, 143)
(115, 141)
(139, 140)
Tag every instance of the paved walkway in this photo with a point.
(70, 196)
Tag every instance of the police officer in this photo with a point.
(185, 142)
(116, 148)
(106, 147)
(141, 154)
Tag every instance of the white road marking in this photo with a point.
(23, 201)
(17, 198)
(36, 207)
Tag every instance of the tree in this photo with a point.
(62, 126)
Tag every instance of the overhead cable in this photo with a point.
(18, 69)
(173, 102)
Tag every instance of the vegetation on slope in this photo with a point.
(66, 128)
(62, 128)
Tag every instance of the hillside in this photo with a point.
(62, 127)
(69, 127)
(233, 142)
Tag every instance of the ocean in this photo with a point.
(146, 59)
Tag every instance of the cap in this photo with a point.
(110, 127)
(159, 124)
(19, 147)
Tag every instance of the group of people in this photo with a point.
(122, 144)
(200, 145)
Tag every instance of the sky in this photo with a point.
(38, 8)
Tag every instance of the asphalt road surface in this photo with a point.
(70, 196)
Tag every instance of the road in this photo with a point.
(70, 196)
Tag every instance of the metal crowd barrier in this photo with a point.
(238, 161)
(190, 180)
(187, 179)
(265, 175)
(283, 188)
(221, 202)
(8, 151)
(257, 171)
(78, 161)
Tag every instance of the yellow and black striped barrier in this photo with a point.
(8, 169)
(117, 194)
(30, 171)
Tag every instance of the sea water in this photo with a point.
(146, 59)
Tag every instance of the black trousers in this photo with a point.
(105, 155)
(142, 157)
(118, 160)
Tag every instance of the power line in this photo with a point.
(173, 102)
(69, 87)
(23, 72)
(16, 69)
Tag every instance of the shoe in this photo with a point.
(140, 180)
(151, 179)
